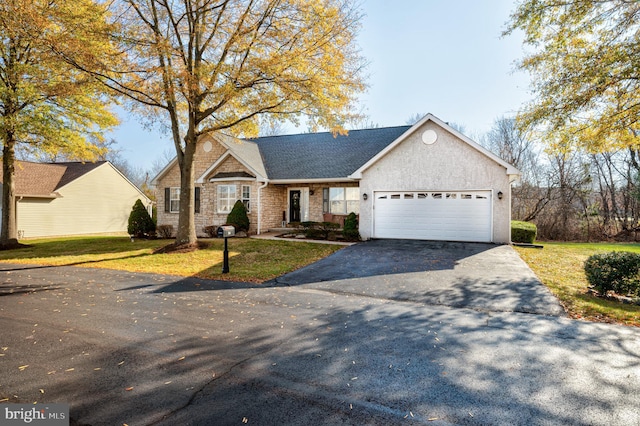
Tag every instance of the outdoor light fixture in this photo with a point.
(499, 195)
(365, 196)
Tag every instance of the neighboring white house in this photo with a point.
(73, 198)
(426, 181)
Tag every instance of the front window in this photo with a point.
(246, 197)
(174, 200)
(226, 198)
(344, 200)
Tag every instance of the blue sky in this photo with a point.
(444, 57)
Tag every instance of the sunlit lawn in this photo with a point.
(560, 266)
(250, 259)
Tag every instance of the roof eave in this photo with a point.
(311, 180)
(510, 170)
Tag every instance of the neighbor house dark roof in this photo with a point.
(43, 179)
(321, 155)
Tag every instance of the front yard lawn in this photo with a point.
(560, 266)
(250, 259)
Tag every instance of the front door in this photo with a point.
(294, 206)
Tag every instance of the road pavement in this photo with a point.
(143, 349)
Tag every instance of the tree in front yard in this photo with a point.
(584, 62)
(232, 65)
(140, 222)
(47, 105)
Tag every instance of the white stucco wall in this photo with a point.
(448, 164)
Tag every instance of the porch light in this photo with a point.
(499, 195)
(365, 196)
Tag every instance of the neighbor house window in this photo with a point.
(344, 200)
(174, 200)
(226, 198)
(246, 197)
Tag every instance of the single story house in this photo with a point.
(426, 181)
(73, 198)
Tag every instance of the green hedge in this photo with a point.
(618, 271)
(523, 232)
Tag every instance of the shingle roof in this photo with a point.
(321, 155)
(75, 170)
(43, 179)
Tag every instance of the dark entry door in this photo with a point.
(294, 206)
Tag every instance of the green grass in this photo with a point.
(250, 260)
(560, 266)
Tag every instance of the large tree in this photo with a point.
(584, 59)
(229, 65)
(45, 103)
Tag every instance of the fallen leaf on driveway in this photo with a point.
(22, 367)
(130, 388)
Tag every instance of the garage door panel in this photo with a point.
(453, 215)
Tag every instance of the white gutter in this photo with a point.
(266, 182)
(314, 180)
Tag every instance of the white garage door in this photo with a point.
(433, 215)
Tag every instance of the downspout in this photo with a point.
(260, 188)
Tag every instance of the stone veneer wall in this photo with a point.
(274, 197)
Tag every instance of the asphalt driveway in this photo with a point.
(146, 349)
(484, 277)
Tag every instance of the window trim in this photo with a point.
(231, 199)
(172, 199)
(328, 201)
(246, 200)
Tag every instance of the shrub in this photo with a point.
(238, 217)
(140, 223)
(211, 231)
(165, 231)
(350, 230)
(618, 271)
(523, 232)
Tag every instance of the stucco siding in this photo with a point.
(97, 203)
(447, 164)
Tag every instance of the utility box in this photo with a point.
(226, 231)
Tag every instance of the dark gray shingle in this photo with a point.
(321, 155)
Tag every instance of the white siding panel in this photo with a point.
(429, 215)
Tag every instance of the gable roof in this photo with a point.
(510, 170)
(321, 156)
(42, 180)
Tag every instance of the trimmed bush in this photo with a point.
(165, 231)
(618, 271)
(350, 230)
(318, 230)
(140, 223)
(238, 217)
(523, 232)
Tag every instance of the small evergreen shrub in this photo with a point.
(618, 271)
(523, 232)
(238, 217)
(140, 222)
(350, 230)
(165, 231)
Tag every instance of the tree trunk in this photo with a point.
(186, 233)
(8, 233)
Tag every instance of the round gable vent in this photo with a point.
(429, 137)
(207, 146)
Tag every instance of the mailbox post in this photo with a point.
(225, 232)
